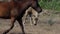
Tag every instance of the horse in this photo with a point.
(23, 5)
(16, 10)
(7, 10)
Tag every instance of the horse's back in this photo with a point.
(7, 9)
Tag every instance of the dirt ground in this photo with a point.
(43, 27)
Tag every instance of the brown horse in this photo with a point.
(25, 4)
(16, 9)
(7, 11)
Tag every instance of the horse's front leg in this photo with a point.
(21, 24)
(12, 25)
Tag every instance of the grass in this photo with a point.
(52, 4)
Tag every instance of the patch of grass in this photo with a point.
(50, 4)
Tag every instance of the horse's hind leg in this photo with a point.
(12, 25)
(21, 24)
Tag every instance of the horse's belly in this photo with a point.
(4, 11)
(4, 14)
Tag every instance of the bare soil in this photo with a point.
(46, 18)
